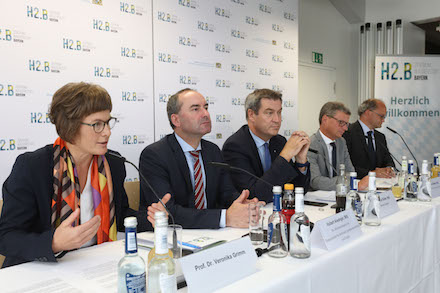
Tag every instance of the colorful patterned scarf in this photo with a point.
(66, 197)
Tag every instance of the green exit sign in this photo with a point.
(317, 57)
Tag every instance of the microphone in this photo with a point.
(313, 151)
(261, 251)
(123, 159)
(325, 159)
(393, 131)
(229, 167)
(387, 150)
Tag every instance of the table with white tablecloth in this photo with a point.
(401, 255)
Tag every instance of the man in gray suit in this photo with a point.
(331, 147)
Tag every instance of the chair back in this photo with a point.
(132, 189)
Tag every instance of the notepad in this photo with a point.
(203, 242)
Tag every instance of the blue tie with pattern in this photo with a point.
(267, 160)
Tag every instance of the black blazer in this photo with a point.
(240, 151)
(25, 223)
(358, 149)
(165, 166)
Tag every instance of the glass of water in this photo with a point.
(256, 220)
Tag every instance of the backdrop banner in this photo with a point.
(410, 87)
(142, 51)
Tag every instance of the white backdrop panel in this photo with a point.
(46, 44)
(225, 50)
(142, 51)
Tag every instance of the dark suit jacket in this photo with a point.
(240, 151)
(358, 149)
(164, 164)
(25, 223)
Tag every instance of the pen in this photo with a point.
(190, 245)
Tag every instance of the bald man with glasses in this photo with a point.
(331, 147)
(368, 147)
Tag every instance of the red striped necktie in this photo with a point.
(199, 192)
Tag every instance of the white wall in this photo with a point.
(323, 29)
(408, 11)
(411, 10)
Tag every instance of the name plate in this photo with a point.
(435, 187)
(214, 268)
(388, 204)
(335, 231)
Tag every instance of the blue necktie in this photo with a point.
(267, 160)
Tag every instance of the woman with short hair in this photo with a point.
(68, 194)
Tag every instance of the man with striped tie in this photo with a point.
(197, 194)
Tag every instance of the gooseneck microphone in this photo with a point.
(229, 167)
(387, 150)
(123, 159)
(313, 151)
(393, 131)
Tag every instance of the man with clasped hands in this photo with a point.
(258, 148)
(196, 193)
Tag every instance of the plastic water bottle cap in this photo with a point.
(130, 222)
(288, 186)
(299, 190)
(277, 189)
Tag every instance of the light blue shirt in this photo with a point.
(186, 148)
(260, 148)
(259, 143)
(366, 129)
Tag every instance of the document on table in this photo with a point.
(321, 196)
(385, 183)
(34, 279)
(93, 269)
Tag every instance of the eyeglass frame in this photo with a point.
(105, 123)
(381, 116)
(341, 122)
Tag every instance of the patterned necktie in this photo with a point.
(333, 158)
(267, 160)
(371, 151)
(199, 192)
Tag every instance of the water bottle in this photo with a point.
(277, 227)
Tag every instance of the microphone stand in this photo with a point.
(116, 155)
(385, 148)
(325, 160)
(393, 131)
(229, 167)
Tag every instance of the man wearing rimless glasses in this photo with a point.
(367, 146)
(331, 148)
